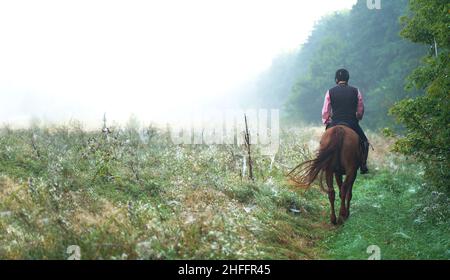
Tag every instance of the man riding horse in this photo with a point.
(344, 105)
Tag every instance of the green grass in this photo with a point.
(388, 211)
(128, 196)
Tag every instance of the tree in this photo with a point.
(427, 117)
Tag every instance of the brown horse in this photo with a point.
(339, 154)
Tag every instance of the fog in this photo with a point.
(62, 60)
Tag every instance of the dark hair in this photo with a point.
(342, 75)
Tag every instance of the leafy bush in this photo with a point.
(427, 117)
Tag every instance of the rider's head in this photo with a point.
(342, 75)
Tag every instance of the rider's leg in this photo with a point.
(365, 154)
(364, 142)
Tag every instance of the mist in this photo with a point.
(156, 60)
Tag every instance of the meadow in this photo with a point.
(130, 193)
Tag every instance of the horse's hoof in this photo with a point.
(341, 220)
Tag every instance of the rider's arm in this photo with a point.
(360, 110)
(326, 110)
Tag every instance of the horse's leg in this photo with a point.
(338, 177)
(331, 195)
(343, 209)
(348, 183)
(349, 192)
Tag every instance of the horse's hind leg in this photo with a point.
(338, 177)
(331, 195)
(349, 194)
(349, 197)
(343, 209)
(344, 195)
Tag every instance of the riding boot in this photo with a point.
(365, 154)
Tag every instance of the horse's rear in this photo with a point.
(345, 162)
(345, 144)
(338, 155)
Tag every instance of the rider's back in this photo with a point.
(344, 103)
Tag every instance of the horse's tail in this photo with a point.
(305, 173)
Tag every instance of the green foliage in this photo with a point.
(427, 117)
(427, 22)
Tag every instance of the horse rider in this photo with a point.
(344, 105)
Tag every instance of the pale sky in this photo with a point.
(78, 59)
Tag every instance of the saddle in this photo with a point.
(331, 124)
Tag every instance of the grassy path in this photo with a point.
(393, 211)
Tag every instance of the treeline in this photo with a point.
(367, 43)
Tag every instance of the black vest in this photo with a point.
(344, 103)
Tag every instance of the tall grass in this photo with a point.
(129, 193)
